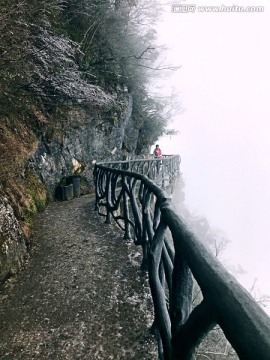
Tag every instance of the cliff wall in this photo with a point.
(74, 89)
(88, 136)
(83, 137)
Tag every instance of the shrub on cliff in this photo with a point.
(78, 53)
(37, 65)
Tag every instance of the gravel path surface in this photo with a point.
(82, 294)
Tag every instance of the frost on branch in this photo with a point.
(56, 75)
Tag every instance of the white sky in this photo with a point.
(224, 140)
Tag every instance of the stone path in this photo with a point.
(82, 294)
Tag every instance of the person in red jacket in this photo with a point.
(158, 155)
(157, 152)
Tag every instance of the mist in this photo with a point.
(223, 140)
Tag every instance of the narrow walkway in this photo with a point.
(82, 295)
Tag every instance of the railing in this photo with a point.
(173, 255)
(162, 171)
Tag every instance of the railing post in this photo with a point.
(163, 175)
(108, 199)
(181, 298)
(95, 178)
(145, 239)
(127, 235)
(162, 319)
(148, 231)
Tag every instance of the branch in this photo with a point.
(173, 68)
(140, 56)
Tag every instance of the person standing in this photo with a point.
(157, 152)
(158, 155)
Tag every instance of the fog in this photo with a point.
(223, 140)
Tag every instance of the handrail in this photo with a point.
(173, 255)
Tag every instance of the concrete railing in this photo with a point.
(131, 193)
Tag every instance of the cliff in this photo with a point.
(41, 164)
(74, 89)
(86, 137)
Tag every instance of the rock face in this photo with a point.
(13, 249)
(88, 135)
(91, 137)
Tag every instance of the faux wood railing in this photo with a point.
(130, 192)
